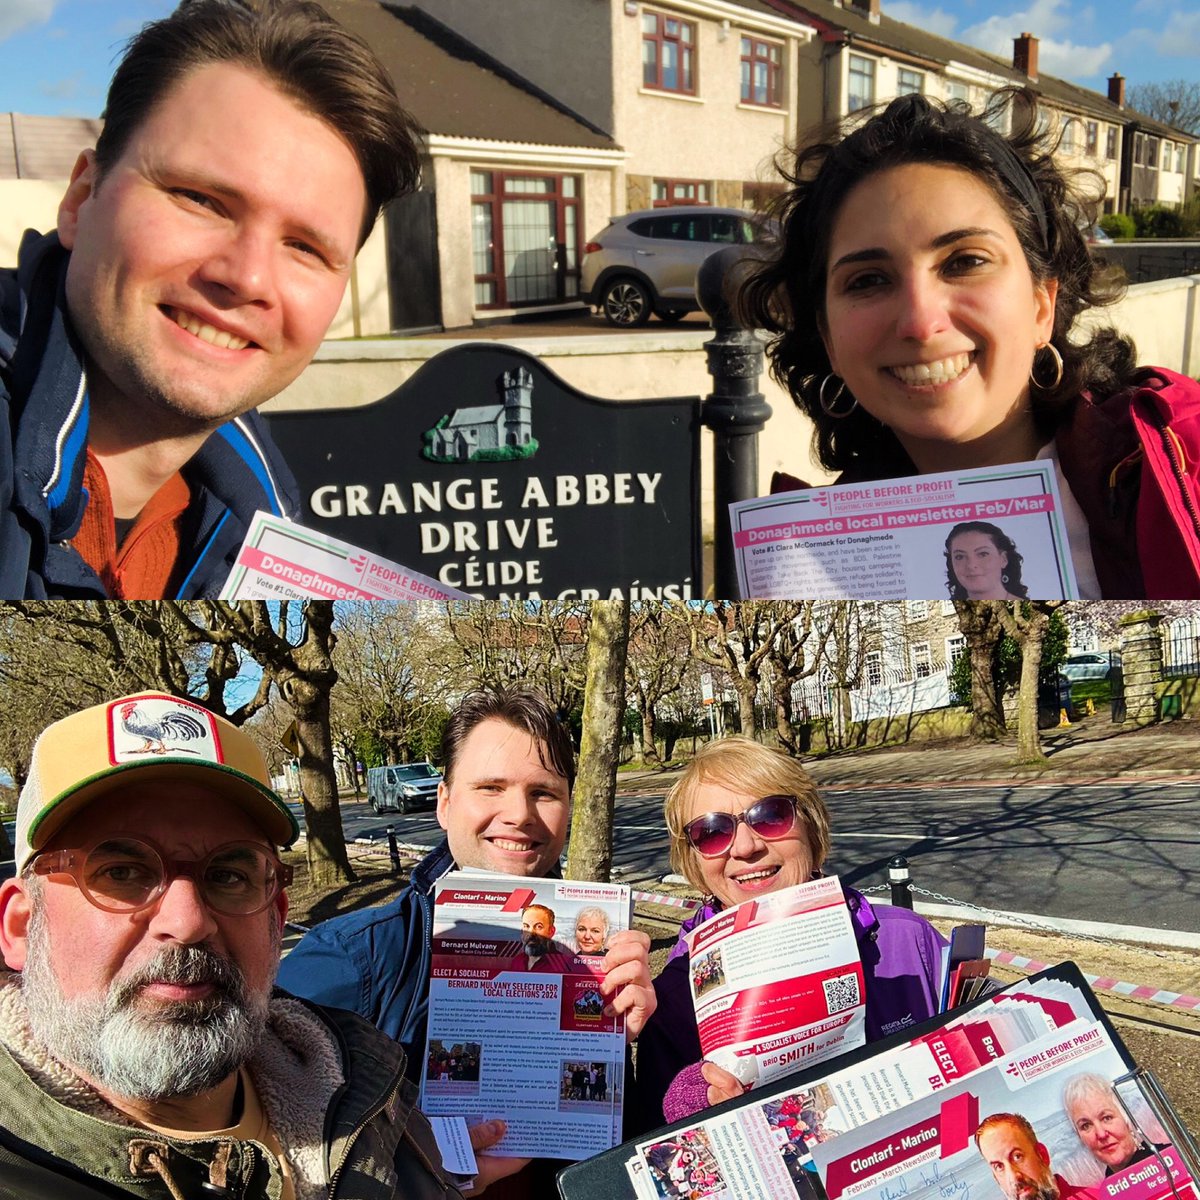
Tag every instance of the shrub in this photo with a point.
(1158, 221)
(1118, 225)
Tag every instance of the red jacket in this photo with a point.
(1133, 462)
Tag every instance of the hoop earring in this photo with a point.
(1058, 368)
(827, 405)
(1004, 578)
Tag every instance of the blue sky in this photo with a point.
(57, 55)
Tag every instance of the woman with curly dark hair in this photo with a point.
(923, 301)
(982, 563)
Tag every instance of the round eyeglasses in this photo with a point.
(126, 874)
(712, 834)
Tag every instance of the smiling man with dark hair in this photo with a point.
(202, 251)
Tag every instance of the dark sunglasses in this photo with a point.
(712, 834)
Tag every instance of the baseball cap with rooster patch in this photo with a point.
(148, 736)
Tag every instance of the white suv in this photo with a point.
(647, 261)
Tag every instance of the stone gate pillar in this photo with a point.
(1142, 666)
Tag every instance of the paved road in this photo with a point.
(1127, 854)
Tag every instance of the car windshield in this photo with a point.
(416, 771)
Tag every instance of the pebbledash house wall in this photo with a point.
(1163, 318)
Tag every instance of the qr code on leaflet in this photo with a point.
(841, 993)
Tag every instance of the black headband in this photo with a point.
(1018, 178)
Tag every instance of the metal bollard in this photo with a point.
(735, 411)
(393, 849)
(900, 881)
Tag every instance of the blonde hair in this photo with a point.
(743, 765)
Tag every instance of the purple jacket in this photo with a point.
(901, 957)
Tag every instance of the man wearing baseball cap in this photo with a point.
(142, 1049)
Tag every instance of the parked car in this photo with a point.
(646, 262)
(404, 787)
(1102, 664)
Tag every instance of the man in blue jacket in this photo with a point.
(201, 252)
(505, 804)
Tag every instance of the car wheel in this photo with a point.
(671, 316)
(626, 303)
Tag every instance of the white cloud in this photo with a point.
(933, 20)
(16, 15)
(1181, 37)
(1051, 22)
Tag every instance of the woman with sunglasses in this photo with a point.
(924, 301)
(746, 820)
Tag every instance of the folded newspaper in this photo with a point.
(517, 1021)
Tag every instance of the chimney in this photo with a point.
(1025, 55)
(1116, 89)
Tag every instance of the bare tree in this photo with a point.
(499, 644)
(844, 657)
(390, 677)
(737, 638)
(590, 855)
(795, 653)
(1175, 102)
(656, 665)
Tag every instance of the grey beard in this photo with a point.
(178, 1050)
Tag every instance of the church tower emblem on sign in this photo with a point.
(488, 433)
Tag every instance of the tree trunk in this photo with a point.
(746, 691)
(1029, 745)
(987, 715)
(649, 748)
(782, 692)
(328, 862)
(590, 855)
(981, 625)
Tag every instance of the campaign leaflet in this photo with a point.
(777, 983)
(517, 1027)
(280, 560)
(928, 1149)
(762, 1149)
(889, 539)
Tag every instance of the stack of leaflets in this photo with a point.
(517, 1022)
(965, 967)
(899, 1118)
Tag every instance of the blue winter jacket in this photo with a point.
(376, 961)
(43, 448)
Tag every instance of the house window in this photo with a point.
(909, 83)
(922, 660)
(680, 191)
(762, 64)
(874, 667)
(1167, 148)
(862, 82)
(524, 238)
(1110, 143)
(1139, 149)
(1178, 160)
(948, 609)
(1068, 136)
(956, 647)
(668, 53)
(958, 91)
(918, 610)
(1093, 138)
(1152, 152)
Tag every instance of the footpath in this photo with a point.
(1162, 1033)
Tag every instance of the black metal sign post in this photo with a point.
(489, 473)
(735, 411)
